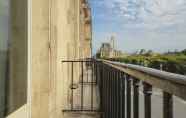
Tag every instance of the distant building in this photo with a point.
(105, 50)
(108, 50)
(112, 42)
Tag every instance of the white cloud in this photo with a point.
(150, 13)
(157, 24)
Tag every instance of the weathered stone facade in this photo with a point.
(86, 29)
(45, 32)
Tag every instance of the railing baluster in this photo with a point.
(72, 82)
(112, 91)
(119, 94)
(116, 79)
(136, 98)
(104, 92)
(113, 95)
(82, 95)
(92, 91)
(101, 77)
(96, 71)
(123, 96)
(110, 101)
(128, 96)
(147, 90)
(109, 97)
(87, 80)
(167, 105)
(108, 92)
(116, 95)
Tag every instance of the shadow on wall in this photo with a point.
(13, 58)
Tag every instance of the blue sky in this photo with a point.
(159, 25)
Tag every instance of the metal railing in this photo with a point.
(119, 86)
(82, 77)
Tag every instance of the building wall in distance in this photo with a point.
(107, 51)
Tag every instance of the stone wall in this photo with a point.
(85, 30)
(55, 36)
(40, 84)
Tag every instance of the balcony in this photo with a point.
(107, 89)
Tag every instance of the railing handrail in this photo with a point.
(171, 83)
(80, 60)
(121, 84)
(177, 78)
